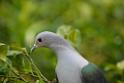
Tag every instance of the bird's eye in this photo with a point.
(39, 40)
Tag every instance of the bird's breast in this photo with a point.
(69, 66)
(68, 72)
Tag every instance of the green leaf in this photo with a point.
(27, 68)
(3, 68)
(13, 52)
(40, 81)
(120, 65)
(71, 34)
(19, 60)
(3, 51)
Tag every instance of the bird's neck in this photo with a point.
(68, 53)
(63, 52)
(60, 49)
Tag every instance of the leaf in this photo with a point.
(39, 81)
(71, 34)
(27, 68)
(20, 62)
(3, 51)
(3, 68)
(120, 65)
(13, 52)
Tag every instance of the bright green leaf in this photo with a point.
(3, 51)
(120, 65)
(40, 81)
(71, 34)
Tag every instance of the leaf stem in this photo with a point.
(40, 75)
(13, 70)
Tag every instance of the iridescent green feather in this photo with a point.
(92, 74)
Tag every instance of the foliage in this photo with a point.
(94, 27)
(16, 66)
(114, 72)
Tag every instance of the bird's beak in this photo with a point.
(34, 47)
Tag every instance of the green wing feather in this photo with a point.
(92, 74)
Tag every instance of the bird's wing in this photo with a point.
(92, 74)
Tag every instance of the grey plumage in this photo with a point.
(91, 74)
(71, 66)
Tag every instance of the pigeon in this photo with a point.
(71, 66)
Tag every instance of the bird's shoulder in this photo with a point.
(92, 74)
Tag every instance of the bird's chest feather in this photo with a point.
(69, 66)
(68, 72)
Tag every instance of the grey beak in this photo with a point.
(33, 48)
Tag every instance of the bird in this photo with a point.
(71, 66)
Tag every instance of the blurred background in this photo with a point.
(95, 28)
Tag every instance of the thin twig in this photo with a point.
(20, 77)
(10, 76)
(13, 77)
(40, 75)
(5, 80)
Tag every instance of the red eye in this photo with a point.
(39, 40)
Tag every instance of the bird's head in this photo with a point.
(50, 40)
